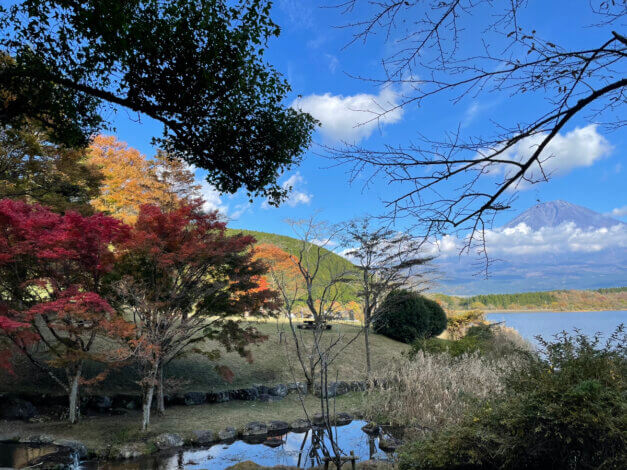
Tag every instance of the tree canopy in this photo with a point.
(196, 66)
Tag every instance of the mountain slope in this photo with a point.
(555, 213)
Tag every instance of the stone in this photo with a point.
(279, 390)
(262, 389)
(372, 429)
(195, 398)
(38, 439)
(75, 446)
(16, 408)
(168, 441)
(334, 389)
(300, 425)
(389, 443)
(130, 451)
(255, 429)
(278, 427)
(357, 386)
(218, 397)
(342, 419)
(129, 402)
(247, 394)
(204, 437)
(318, 419)
(297, 387)
(227, 434)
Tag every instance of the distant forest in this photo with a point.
(613, 298)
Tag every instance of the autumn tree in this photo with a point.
(36, 170)
(131, 180)
(470, 52)
(386, 260)
(52, 273)
(195, 66)
(184, 280)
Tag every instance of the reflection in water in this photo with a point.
(14, 455)
(304, 450)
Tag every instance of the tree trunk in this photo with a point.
(148, 392)
(75, 377)
(366, 338)
(160, 398)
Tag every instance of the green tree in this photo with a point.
(196, 66)
(36, 170)
(406, 316)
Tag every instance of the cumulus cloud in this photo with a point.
(581, 147)
(212, 198)
(619, 212)
(351, 118)
(523, 241)
(296, 196)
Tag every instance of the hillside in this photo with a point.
(331, 263)
(559, 300)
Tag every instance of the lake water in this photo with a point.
(547, 324)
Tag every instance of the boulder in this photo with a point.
(76, 446)
(218, 397)
(334, 389)
(318, 419)
(300, 425)
(16, 408)
(255, 430)
(227, 434)
(247, 394)
(342, 419)
(297, 386)
(168, 441)
(278, 427)
(279, 390)
(204, 437)
(389, 443)
(194, 398)
(372, 429)
(38, 439)
(130, 451)
(262, 389)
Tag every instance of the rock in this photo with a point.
(129, 402)
(59, 460)
(300, 425)
(267, 398)
(318, 419)
(168, 441)
(297, 386)
(204, 437)
(342, 419)
(273, 442)
(255, 430)
(247, 394)
(218, 397)
(279, 390)
(101, 403)
(262, 389)
(371, 429)
(278, 427)
(195, 398)
(227, 434)
(38, 439)
(389, 443)
(10, 436)
(334, 389)
(16, 408)
(75, 446)
(357, 386)
(130, 451)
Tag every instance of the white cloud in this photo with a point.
(619, 212)
(296, 196)
(351, 118)
(523, 241)
(212, 198)
(581, 147)
(333, 62)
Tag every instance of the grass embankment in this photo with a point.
(99, 433)
(274, 361)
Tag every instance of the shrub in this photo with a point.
(406, 316)
(433, 390)
(567, 408)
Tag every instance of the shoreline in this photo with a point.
(538, 310)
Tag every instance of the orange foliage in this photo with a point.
(130, 180)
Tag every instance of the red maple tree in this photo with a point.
(184, 280)
(52, 273)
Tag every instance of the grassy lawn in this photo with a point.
(98, 433)
(274, 361)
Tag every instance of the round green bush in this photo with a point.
(406, 316)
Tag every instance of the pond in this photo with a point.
(304, 450)
(547, 324)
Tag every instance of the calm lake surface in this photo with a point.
(547, 324)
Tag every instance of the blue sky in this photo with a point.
(310, 53)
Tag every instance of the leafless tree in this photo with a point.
(457, 49)
(386, 260)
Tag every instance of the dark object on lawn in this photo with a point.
(311, 325)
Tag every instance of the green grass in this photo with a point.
(97, 433)
(274, 361)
